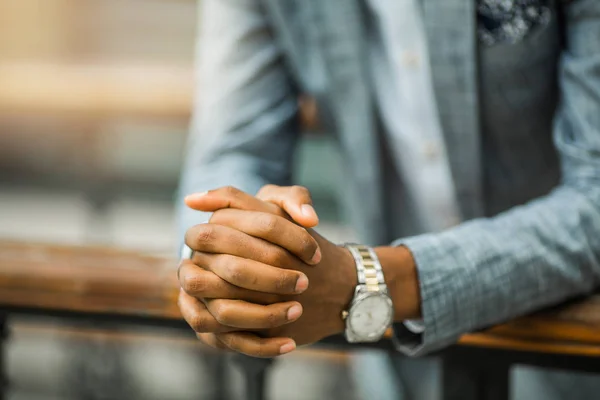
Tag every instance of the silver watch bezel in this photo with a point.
(360, 295)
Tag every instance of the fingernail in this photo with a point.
(294, 312)
(195, 196)
(288, 347)
(317, 257)
(301, 284)
(308, 211)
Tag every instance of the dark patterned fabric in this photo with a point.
(509, 21)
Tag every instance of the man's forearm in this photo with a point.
(401, 276)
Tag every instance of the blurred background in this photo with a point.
(95, 97)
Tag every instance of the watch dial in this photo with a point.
(370, 317)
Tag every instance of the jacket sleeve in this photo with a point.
(486, 271)
(244, 123)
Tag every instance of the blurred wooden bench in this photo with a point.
(121, 286)
(96, 90)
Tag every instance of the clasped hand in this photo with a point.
(260, 281)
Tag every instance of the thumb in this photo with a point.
(296, 201)
(229, 197)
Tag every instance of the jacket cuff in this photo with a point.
(438, 259)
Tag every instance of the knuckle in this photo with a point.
(198, 323)
(277, 257)
(205, 234)
(267, 224)
(193, 284)
(300, 191)
(230, 341)
(235, 270)
(222, 313)
(231, 191)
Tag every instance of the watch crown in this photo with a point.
(344, 314)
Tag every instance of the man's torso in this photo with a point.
(495, 101)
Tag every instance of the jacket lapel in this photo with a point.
(337, 27)
(451, 29)
(340, 29)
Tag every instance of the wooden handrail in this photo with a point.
(87, 279)
(107, 281)
(572, 328)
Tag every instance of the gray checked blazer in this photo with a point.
(521, 121)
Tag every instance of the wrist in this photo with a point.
(341, 292)
(401, 278)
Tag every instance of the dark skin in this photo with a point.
(261, 281)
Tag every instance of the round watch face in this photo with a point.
(370, 317)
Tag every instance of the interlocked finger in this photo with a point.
(255, 346)
(198, 317)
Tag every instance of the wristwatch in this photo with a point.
(371, 311)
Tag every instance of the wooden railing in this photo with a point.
(88, 280)
(572, 328)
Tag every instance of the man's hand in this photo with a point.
(304, 318)
(247, 271)
(255, 294)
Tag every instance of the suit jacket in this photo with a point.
(521, 123)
